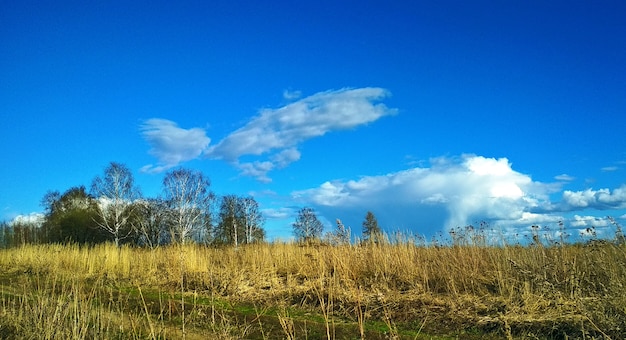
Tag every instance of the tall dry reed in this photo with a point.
(572, 290)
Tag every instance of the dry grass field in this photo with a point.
(289, 291)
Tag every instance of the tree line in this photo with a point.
(308, 229)
(113, 209)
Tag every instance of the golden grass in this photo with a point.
(395, 290)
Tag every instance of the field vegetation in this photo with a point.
(391, 289)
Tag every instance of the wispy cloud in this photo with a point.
(286, 157)
(609, 168)
(279, 213)
(276, 133)
(171, 144)
(259, 169)
(459, 189)
(291, 95)
(273, 136)
(564, 177)
(256, 169)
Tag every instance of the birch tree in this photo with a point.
(240, 221)
(307, 226)
(253, 220)
(189, 200)
(115, 192)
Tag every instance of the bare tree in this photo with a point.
(115, 192)
(240, 221)
(230, 227)
(307, 227)
(253, 220)
(189, 200)
(150, 222)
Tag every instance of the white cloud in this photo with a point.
(259, 169)
(601, 199)
(256, 169)
(172, 145)
(277, 132)
(291, 95)
(530, 219)
(280, 213)
(454, 192)
(263, 193)
(592, 226)
(466, 188)
(564, 177)
(274, 134)
(32, 218)
(285, 157)
(588, 221)
(609, 168)
(578, 199)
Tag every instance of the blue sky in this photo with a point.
(431, 114)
